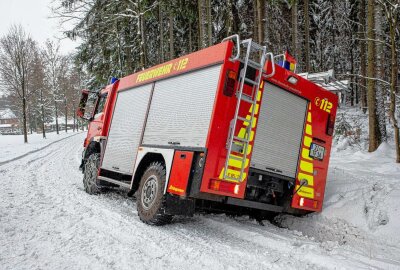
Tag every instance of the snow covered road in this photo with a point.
(47, 221)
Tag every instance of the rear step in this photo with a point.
(113, 181)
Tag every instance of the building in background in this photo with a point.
(9, 123)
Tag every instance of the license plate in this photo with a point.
(317, 151)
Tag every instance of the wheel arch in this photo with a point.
(96, 145)
(93, 147)
(145, 157)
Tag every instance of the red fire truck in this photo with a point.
(221, 129)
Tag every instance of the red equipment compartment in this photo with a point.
(180, 171)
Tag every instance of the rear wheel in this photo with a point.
(90, 181)
(150, 198)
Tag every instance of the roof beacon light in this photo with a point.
(292, 79)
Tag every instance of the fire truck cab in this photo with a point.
(221, 129)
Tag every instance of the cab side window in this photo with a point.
(100, 104)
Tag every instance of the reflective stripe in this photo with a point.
(252, 135)
(306, 166)
(309, 117)
(233, 174)
(247, 123)
(307, 141)
(308, 130)
(237, 163)
(242, 133)
(255, 112)
(309, 178)
(306, 192)
(306, 163)
(305, 153)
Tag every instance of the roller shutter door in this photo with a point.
(126, 129)
(279, 131)
(181, 109)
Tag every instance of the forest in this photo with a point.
(358, 39)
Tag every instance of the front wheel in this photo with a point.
(150, 199)
(90, 181)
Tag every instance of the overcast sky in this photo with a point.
(33, 15)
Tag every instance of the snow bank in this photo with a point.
(362, 197)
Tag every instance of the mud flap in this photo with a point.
(175, 205)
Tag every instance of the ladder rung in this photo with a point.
(236, 158)
(243, 119)
(257, 46)
(254, 64)
(232, 178)
(253, 44)
(250, 81)
(240, 139)
(248, 99)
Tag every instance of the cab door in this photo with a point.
(96, 124)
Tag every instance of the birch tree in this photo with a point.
(53, 71)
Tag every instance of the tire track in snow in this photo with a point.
(36, 150)
(50, 222)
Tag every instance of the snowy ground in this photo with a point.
(47, 221)
(13, 146)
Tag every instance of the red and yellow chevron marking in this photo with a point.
(306, 168)
(235, 165)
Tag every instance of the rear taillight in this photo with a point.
(308, 203)
(230, 83)
(223, 186)
(330, 126)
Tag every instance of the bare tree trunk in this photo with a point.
(255, 21)
(229, 21)
(128, 50)
(261, 20)
(380, 72)
(266, 27)
(190, 37)
(352, 79)
(307, 36)
(393, 85)
(160, 24)
(294, 28)
(56, 112)
(140, 37)
(209, 23)
(24, 116)
(143, 39)
(374, 135)
(66, 115)
(42, 110)
(363, 64)
(201, 23)
(74, 115)
(30, 119)
(171, 37)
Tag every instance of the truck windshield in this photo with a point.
(100, 104)
(90, 105)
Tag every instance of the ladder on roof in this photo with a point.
(237, 145)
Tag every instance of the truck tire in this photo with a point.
(90, 182)
(150, 199)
